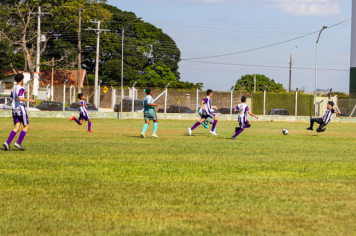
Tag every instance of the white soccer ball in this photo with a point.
(285, 131)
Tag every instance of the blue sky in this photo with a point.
(204, 28)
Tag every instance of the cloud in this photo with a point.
(293, 7)
(310, 8)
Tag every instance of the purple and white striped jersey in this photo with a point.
(207, 106)
(242, 109)
(17, 106)
(83, 108)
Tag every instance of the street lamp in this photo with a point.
(122, 64)
(316, 69)
(254, 80)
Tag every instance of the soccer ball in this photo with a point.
(285, 131)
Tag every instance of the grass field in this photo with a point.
(110, 182)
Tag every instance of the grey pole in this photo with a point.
(97, 64)
(316, 70)
(196, 108)
(254, 81)
(28, 93)
(133, 96)
(296, 102)
(64, 95)
(231, 98)
(165, 99)
(80, 50)
(99, 94)
(113, 97)
(122, 73)
(122, 64)
(264, 101)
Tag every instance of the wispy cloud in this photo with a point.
(293, 7)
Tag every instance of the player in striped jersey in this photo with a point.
(207, 112)
(244, 123)
(326, 118)
(83, 113)
(19, 113)
(149, 113)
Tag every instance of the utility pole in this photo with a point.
(290, 69)
(290, 72)
(38, 56)
(98, 32)
(80, 51)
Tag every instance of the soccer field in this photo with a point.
(111, 182)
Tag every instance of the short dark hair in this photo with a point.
(209, 91)
(19, 78)
(148, 91)
(80, 95)
(243, 99)
(331, 103)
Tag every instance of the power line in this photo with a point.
(268, 46)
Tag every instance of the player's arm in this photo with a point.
(22, 97)
(251, 114)
(152, 105)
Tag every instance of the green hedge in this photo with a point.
(283, 101)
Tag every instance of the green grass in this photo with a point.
(110, 182)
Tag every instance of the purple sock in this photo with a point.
(22, 136)
(11, 137)
(77, 121)
(214, 125)
(238, 132)
(89, 126)
(195, 126)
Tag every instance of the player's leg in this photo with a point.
(12, 134)
(214, 125)
(238, 130)
(321, 128)
(190, 130)
(26, 124)
(155, 127)
(89, 125)
(145, 127)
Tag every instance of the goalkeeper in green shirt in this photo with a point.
(149, 114)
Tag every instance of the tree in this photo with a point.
(246, 84)
(18, 28)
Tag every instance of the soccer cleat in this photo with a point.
(89, 131)
(213, 133)
(154, 136)
(72, 118)
(310, 129)
(205, 126)
(323, 130)
(142, 135)
(190, 132)
(19, 146)
(233, 137)
(6, 146)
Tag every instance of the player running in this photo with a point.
(207, 112)
(83, 113)
(208, 120)
(149, 114)
(244, 123)
(19, 113)
(326, 118)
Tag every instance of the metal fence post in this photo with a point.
(264, 101)
(99, 94)
(64, 95)
(165, 99)
(296, 102)
(231, 98)
(133, 96)
(197, 108)
(113, 97)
